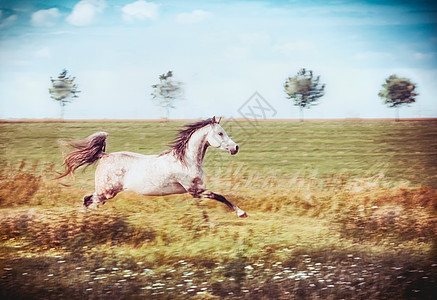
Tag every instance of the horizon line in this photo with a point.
(161, 120)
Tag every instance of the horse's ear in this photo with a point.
(218, 122)
(213, 121)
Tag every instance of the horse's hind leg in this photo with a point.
(87, 200)
(95, 200)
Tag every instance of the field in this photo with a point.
(337, 210)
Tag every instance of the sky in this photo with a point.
(222, 51)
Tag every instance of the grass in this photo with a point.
(399, 150)
(337, 210)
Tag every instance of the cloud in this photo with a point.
(299, 46)
(236, 53)
(85, 12)
(44, 52)
(196, 16)
(7, 21)
(45, 17)
(420, 55)
(371, 55)
(140, 10)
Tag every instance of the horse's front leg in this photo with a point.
(196, 190)
(241, 213)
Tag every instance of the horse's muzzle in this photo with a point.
(235, 150)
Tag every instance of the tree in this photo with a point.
(396, 92)
(304, 89)
(63, 90)
(166, 92)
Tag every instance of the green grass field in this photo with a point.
(337, 210)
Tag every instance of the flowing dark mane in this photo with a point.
(179, 146)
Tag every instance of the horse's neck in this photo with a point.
(196, 147)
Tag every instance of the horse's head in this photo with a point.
(218, 138)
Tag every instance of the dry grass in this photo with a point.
(340, 237)
(344, 217)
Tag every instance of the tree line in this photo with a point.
(304, 89)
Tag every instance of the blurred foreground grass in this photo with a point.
(336, 210)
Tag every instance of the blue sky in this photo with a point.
(223, 52)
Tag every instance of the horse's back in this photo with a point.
(143, 174)
(129, 155)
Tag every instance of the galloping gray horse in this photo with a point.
(177, 170)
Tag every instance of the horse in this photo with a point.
(177, 170)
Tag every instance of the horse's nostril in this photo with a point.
(236, 148)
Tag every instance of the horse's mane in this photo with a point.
(179, 145)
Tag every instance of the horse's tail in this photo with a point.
(87, 152)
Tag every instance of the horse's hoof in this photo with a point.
(93, 206)
(241, 213)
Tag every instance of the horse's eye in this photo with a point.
(220, 133)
